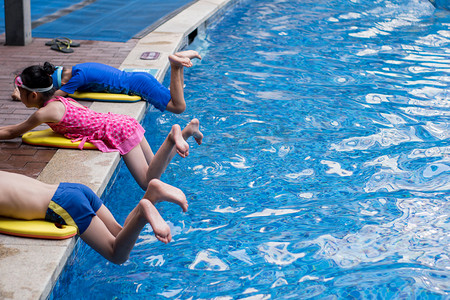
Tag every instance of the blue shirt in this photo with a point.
(96, 77)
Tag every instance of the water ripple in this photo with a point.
(420, 236)
(384, 139)
(433, 176)
(208, 261)
(240, 163)
(272, 212)
(438, 130)
(277, 253)
(335, 168)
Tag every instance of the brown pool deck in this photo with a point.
(29, 268)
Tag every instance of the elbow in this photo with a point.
(60, 93)
(7, 135)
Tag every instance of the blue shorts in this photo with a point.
(150, 89)
(73, 204)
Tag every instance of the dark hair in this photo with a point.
(39, 77)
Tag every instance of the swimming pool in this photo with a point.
(324, 171)
(102, 20)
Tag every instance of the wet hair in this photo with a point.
(39, 77)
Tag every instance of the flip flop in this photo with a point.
(62, 47)
(62, 40)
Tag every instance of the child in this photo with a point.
(109, 132)
(96, 77)
(22, 197)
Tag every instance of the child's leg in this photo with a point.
(117, 249)
(137, 161)
(108, 219)
(148, 153)
(144, 166)
(178, 61)
(175, 142)
(159, 191)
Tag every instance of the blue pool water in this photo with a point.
(324, 171)
(103, 20)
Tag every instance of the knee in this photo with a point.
(119, 260)
(176, 107)
(179, 109)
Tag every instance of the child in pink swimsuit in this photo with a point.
(82, 123)
(109, 132)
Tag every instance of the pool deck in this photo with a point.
(29, 268)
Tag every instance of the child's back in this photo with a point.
(22, 197)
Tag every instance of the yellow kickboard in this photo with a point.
(50, 138)
(40, 229)
(108, 97)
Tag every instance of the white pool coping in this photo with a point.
(29, 268)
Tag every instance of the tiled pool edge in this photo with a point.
(31, 267)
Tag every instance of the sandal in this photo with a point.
(62, 40)
(62, 47)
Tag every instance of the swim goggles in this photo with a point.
(57, 77)
(19, 83)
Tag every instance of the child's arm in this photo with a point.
(42, 115)
(60, 93)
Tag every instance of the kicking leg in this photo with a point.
(117, 249)
(138, 160)
(178, 61)
(175, 142)
(144, 166)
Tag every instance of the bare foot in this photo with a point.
(152, 216)
(162, 231)
(189, 54)
(183, 58)
(193, 129)
(178, 62)
(177, 138)
(158, 191)
(16, 94)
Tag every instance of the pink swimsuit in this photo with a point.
(108, 132)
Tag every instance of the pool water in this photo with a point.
(102, 20)
(324, 171)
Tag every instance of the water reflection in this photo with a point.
(418, 239)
